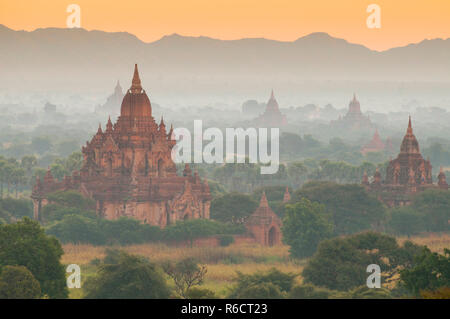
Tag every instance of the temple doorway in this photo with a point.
(272, 236)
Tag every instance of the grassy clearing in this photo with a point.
(435, 241)
(222, 262)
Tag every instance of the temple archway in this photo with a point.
(272, 236)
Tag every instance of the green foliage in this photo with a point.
(230, 207)
(185, 274)
(405, 221)
(363, 292)
(196, 228)
(17, 282)
(12, 209)
(305, 224)
(272, 284)
(434, 206)
(56, 212)
(431, 271)
(263, 290)
(75, 228)
(71, 198)
(308, 291)
(341, 263)
(226, 240)
(124, 276)
(352, 208)
(25, 243)
(200, 293)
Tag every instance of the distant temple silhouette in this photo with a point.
(272, 117)
(113, 102)
(128, 170)
(406, 175)
(376, 145)
(354, 119)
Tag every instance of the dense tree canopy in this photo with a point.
(352, 209)
(305, 224)
(125, 276)
(25, 243)
(17, 282)
(233, 206)
(341, 263)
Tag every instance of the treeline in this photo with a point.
(19, 175)
(70, 218)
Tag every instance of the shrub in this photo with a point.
(25, 243)
(274, 277)
(200, 293)
(229, 207)
(226, 240)
(305, 224)
(17, 282)
(309, 291)
(341, 263)
(126, 276)
(264, 290)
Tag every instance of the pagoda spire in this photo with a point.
(109, 125)
(162, 126)
(272, 96)
(263, 202)
(136, 82)
(410, 130)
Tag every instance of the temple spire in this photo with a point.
(109, 125)
(272, 96)
(263, 202)
(136, 82)
(410, 130)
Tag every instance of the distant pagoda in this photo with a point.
(377, 145)
(272, 117)
(264, 225)
(113, 102)
(406, 175)
(354, 119)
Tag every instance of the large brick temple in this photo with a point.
(406, 175)
(128, 170)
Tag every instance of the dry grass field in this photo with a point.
(222, 262)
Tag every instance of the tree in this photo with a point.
(264, 290)
(305, 224)
(25, 243)
(41, 144)
(341, 263)
(185, 274)
(271, 284)
(233, 206)
(434, 206)
(200, 293)
(308, 291)
(17, 282)
(352, 208)
(430, 272)
(406, 221)
(124, 276)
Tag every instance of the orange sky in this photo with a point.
(403, 21)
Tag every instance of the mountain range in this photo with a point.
(80, 58)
